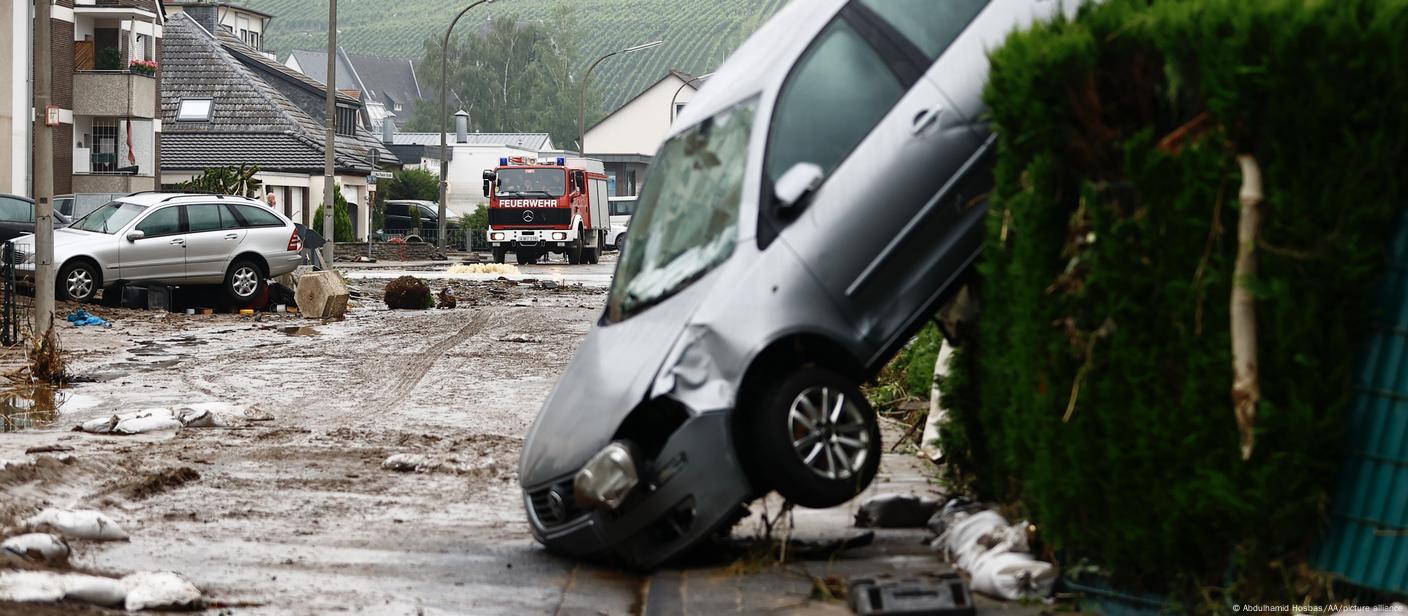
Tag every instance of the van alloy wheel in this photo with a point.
(828, 432)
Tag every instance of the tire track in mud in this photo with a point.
(420, 365)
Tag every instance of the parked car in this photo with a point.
(17, 217)
(816, 202)
(171, 238)
(78, 205)
(622, 208)
(401, 220)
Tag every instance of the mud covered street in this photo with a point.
(289, 510)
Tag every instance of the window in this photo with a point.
(429, 213)
(16, 210)
(165, 221)
(346, 121)
(207, 217)
(687, 215)
(103, 158)
(679, 108)
(194, 110)
(932, 25)
(624, 207)
(839, 90)
(254, 216)
(109, 218)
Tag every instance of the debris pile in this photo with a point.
(993, 552)
(408, 293)
(502, 269)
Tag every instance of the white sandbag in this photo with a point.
(159, 590)
(145, 421)
(200, 418)
(1012, 575)
(410, 462)
(31, 587)
(994, 553)
(101, 425)
(36, 547)
(102, 591)
(81, 524)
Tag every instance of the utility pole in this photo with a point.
(43, 176)
(330, 161)
(445, 122)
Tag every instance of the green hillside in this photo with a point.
(698, 34)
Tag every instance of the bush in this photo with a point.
(413, 183)
(1108, 267)
(341, 220)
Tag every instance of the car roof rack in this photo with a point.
(193, 194)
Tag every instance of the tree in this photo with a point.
(341, 221)
(517, 76)
(413, 183)
(238, 181)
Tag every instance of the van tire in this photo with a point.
(828, 470)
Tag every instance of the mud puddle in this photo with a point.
(40, 408)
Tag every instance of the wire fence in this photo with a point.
(16, 307)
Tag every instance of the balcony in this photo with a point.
(115, 94)
(113, 183)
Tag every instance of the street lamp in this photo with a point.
(681, 89)
(582, 99)
(445, 121)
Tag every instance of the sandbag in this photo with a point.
(36, 547)
(159, 590)
(994, 553)
(80, 524)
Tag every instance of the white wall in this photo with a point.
(466, 190)
(14, 98)
(639, 127)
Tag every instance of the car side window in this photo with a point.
(258, 216)
(16, 210)
(396, 209)
(428, 213)
(204, 217)
(165, 221)
(838, 92)
(931, 25)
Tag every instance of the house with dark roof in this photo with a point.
(225, 103)
(626, 141)
(388, 87)
(105, 81)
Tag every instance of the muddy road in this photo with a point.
(288, 509)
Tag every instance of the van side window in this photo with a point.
(931, 25)
(838, 92)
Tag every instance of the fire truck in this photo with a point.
(557, 206)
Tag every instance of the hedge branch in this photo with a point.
(1246, 384)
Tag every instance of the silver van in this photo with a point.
(813, 206)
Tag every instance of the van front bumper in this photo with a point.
(691, 489)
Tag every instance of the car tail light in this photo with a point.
(294, 243)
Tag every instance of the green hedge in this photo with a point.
(1109, 261)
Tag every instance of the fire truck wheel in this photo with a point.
(574, 250)
(500, 254)
(522, 257)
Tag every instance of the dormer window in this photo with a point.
(194, 110)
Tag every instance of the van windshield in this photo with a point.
(686, 218)
(109, 219)
(547, 182)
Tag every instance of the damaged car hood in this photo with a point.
(611, 374)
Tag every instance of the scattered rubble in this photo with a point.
(505, 269)
(896, 511)
(322, 295)
(446, 298)
(77, 524)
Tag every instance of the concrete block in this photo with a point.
(322, 295)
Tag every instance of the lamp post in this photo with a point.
(445, 121)
(330, 143)
(582, 99)
(681, 89)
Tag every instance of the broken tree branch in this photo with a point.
(1246, 384)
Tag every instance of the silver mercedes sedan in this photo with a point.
(170, 238)
(813, 206)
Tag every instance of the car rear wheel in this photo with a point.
(817, 441)
(78, 281)
(243, 281)
(621, 242)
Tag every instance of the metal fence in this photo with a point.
(16, 308)
(455, 239)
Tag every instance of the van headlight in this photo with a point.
(607, 478)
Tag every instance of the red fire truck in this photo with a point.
(540, 207)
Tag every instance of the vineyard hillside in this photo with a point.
(698, 34)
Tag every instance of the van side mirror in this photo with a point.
(792, 189)
(133, 236)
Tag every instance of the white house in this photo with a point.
(245, 23)
(627, 139)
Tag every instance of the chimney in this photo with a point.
(462, 127)
(388, 129)
(207, 15)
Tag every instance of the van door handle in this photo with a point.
(925, 119)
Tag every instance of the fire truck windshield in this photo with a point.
(543, 182)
